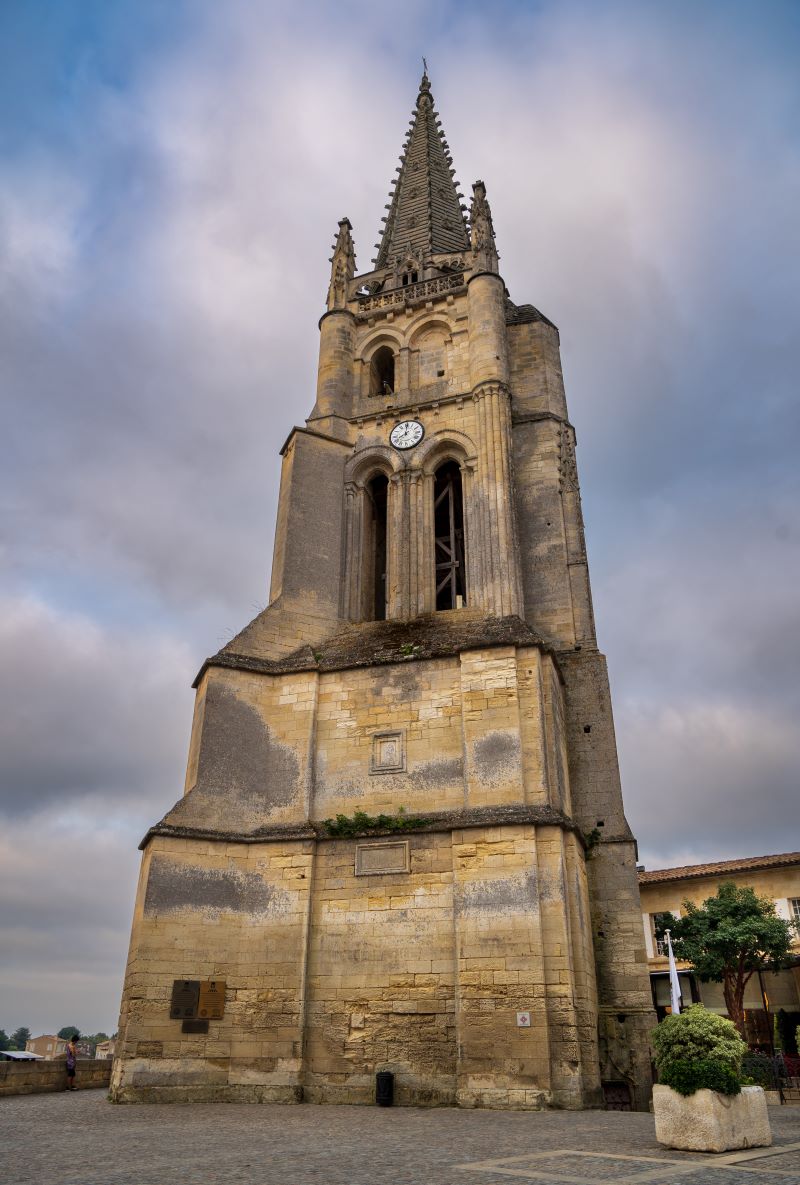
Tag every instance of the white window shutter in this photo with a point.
(782, 909)
(648, 935)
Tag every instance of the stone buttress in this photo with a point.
(428, 659)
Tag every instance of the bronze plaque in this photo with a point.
(185, 997)
(212, 999)
(194, 1026)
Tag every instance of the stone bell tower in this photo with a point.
(401, 844)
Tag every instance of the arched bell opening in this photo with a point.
(377, 491)
(381, 372)
(448, 520)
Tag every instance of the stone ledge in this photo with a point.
(379, 643)
(28, 1077)
(219, 1093)
(429, 821)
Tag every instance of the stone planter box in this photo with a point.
(709, 1122)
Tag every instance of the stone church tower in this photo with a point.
(427, 672)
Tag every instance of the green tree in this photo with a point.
(729, 938)
(69, 1031)
(19, 1037)
(5, 1043)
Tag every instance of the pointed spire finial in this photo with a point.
(343, 266)
(484, 251)
(425, 215)
(424, 95)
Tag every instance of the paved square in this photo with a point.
(82, 1139)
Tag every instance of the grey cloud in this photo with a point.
(67, 892)
(88, 712)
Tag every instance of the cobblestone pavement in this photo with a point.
(81, 1139)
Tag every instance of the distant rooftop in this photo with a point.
(695, 871)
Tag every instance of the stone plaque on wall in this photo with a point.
(185, 998)
(375, 858)
(194, 1026)
(388, 753)
(212, 999)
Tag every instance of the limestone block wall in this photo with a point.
(535, 369)
(20, 1077)
(421, 703)
(250, 759)
(625, 1001)
(211, 910)
(485, 728)
(547, 591)
(332, 976)
(381, 977)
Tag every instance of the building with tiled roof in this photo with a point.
(665, 890)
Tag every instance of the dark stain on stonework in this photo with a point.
(495, 752)
(400, 681)
(551, 886)
(435, 774)
(238, 754)
(173, 886)
(509, 894)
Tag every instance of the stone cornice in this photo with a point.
(532, 417)
(312, 432)
(428, 821)
(394, 641)
(335, 312)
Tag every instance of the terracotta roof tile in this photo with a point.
(695, 871)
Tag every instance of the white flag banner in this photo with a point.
(674, 981)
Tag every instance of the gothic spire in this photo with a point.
(425, 213)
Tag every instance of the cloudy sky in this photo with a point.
(172, 176)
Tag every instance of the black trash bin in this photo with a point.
(384, 1088)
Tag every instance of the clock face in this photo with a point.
(407, 434)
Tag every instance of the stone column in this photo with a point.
(401, 369)
(472, 533)
(336, 358)
(352, 580)
(419, 578)
(397, 548)
(501, 585)
(488, 344)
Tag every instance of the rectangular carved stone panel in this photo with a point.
(376, 858)
(388, 753)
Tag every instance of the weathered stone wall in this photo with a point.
(485, 728)
(332, 976)
(211, 910)
(625, 1001)
(49, 1076)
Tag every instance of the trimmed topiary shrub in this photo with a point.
(705, 1074)
(698, 1049)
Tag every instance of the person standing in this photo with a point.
(72, 1057)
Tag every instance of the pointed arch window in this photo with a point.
(448, 517)
(381, 374)
(376, 550)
